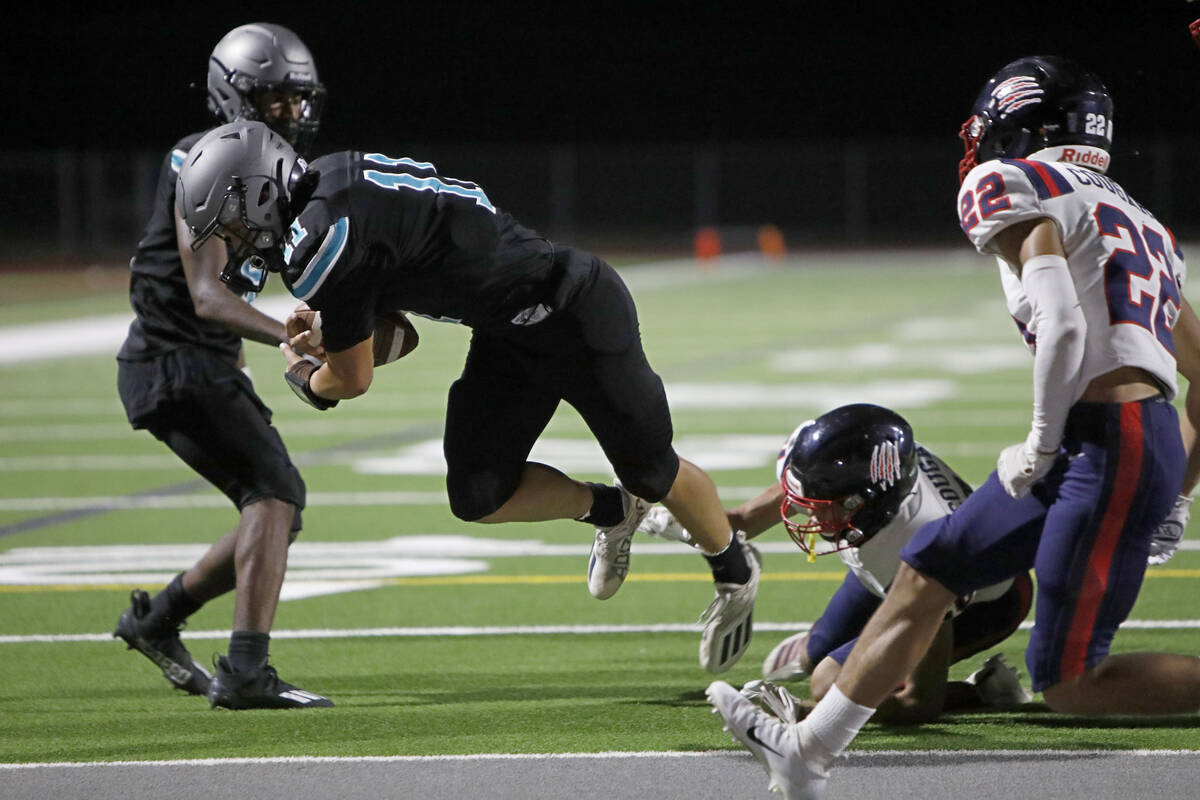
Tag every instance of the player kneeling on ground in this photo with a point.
(867, 486)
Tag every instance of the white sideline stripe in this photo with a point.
(459, 630)
(103, 335)
(214, 500)
(853, 755)
(511, 630)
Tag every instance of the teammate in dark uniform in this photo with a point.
(180, 377)
(367, 233)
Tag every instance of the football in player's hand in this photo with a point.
(304, 319)
(395, 337)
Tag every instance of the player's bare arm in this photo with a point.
(212, 299)
(345, 374)
(758, 513)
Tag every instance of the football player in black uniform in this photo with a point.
(180, 377)
(360, 233)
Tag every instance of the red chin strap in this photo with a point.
(970, 144)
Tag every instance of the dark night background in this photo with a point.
(503, 71)
(497, 80)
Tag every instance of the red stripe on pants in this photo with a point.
(1095, 579)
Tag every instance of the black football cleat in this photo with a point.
(160, 645)
(260, 688)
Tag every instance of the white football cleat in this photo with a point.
(662, 523)
(609, 562)
(796, 761)
(774, 699)
(783, 662)
(729, 619)
(998, 683)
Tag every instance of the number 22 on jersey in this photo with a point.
(1139, 280)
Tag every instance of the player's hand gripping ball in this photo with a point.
(303, 327)
(395, 337)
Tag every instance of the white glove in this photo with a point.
(1169, 532)
(1021, 465)
(662, 523)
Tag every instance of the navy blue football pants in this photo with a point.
(1085, 530)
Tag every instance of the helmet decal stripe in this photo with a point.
(1045, 179)
(885, 464)
(1016, 93)
(177, 157)
(323, 261)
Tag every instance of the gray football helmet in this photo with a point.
(235, 183)
(254, 64)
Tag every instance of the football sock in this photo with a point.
(248, 650)
(731, 565)
(837, 720)
(170, 607)
(608, 507)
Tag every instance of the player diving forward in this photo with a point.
(867, 486)
(356, 234)
(1093, 280)
(179, 377)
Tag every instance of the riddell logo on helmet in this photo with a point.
(1090, 157)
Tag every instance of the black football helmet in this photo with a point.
(262, 63)
(849, 470)
(1034, 103)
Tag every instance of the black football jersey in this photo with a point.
(166, 317)
(381, 233)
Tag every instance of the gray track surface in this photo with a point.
(696, 776)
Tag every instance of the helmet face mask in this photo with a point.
(1036, 103)
(849, 470)
(832, 520)
(236, 184)
(253, 250)
(254, 62)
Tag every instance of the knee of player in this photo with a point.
(651, 482)
(471, 504)
(1067, 697)
(1083, 694)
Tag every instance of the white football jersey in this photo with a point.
(937, 491)
(1127, 268)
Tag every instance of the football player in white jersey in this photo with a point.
(866, 486)
(1093, 281)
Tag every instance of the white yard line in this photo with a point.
(507, 630)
